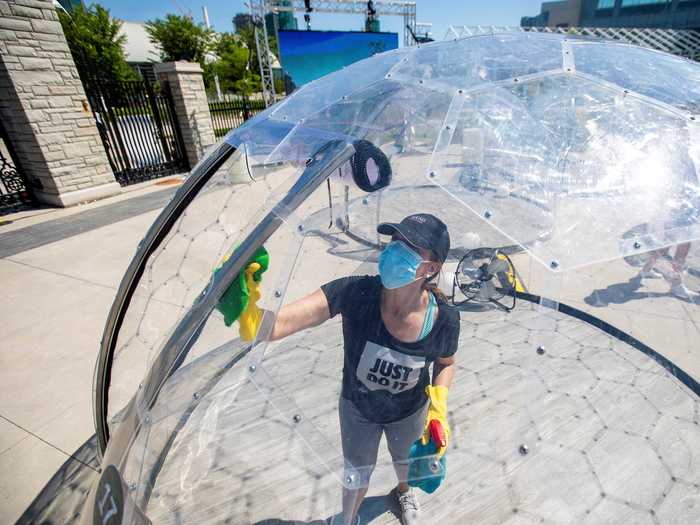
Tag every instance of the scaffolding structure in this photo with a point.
(681, 42)
(259, 8)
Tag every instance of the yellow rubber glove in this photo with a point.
(252, 315)
(437, 410)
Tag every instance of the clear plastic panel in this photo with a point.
(476, 61)
(403, 121)
(661, 76)
(304, 372)
(617, 355)
(573, 165)
(652, 297)
(577, 405)
(331, 88)
(269, 422)
(245, 131)
(253, 435)
(205, 385)
(180, 268)
(202, 372)
(282, 248)
(256, 142)
(248, 455)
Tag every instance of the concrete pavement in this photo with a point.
(59, 271)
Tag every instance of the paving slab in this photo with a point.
(99, 256)
(25, 469)
(33, 295)
(59, 276)
(48, 357)
(62, 499)
(10, 435)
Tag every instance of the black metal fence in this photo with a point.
(15, 192)
(229, 114)
(139, 129)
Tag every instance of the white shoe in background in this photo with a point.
(679, 290)
(650, 274)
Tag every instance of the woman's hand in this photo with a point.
(443, 372)
(307, 312)
(437, 413)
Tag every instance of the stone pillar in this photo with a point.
(44, 108)
(191, 106)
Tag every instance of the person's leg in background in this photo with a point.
(679, 258)
(648, 271)
(657, 234)
(360, 440)
(678, 287)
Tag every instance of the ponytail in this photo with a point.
(434, 288)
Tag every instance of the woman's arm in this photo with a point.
(443, 371)
(307, 312)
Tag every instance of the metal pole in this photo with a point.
(258, 10)
(216, 77)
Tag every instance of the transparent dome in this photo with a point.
(566, 171)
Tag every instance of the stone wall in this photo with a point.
(191, 105)
(45, 110)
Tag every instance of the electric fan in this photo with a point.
(485, 275)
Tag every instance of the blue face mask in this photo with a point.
(398, 265)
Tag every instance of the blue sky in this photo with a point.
(442, 13)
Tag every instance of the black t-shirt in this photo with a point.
(385, 378)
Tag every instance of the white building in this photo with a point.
(140, 52)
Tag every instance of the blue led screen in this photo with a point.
(308, 55)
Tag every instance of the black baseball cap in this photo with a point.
(422, 230)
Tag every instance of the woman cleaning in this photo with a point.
(394, 326)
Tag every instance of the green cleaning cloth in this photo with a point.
(235, 299)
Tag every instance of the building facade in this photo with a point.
(565, 13)
(668, 14)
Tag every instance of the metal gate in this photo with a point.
(231, 113)
(15, 192)
(139, 129)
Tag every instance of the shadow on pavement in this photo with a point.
(620, 293)
(62, 499)
(371, 508)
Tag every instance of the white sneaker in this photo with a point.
(680, 291)
(650, 274)
(408, 503)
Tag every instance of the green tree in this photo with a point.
(232, 65)
(94, 41)
(179, 38)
